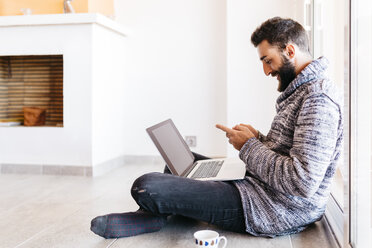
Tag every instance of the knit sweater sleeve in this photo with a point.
(301, 171)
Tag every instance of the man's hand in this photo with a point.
(254, 131)
(238, 135)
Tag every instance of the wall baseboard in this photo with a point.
(88, 171)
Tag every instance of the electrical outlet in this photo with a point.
(190, 141)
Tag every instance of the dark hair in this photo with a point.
(279, 32)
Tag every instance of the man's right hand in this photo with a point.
(237, 136)
(254, 131)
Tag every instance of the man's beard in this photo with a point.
(287, 74)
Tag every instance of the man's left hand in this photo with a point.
(237, 136)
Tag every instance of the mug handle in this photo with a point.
(219, 240)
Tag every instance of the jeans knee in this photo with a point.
(143, 184)
(145, 191)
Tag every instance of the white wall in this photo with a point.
(192, 60)
(175, 69)
(251, 95)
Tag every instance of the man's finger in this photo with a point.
(241, 127)
(224, 128)
(245, 125)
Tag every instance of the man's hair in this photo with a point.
(279, 32)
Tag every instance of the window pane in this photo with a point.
(329, 32)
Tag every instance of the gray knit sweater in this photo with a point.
(289, 171)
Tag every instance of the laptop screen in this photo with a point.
(171, 146)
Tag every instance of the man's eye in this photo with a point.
(268, 62)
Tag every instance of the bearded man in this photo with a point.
(288, 171)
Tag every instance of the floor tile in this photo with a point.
(316, 235)
(24, 188)
(21, 223)
(179, 233)
(72, 231)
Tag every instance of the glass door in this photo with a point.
(360, 100)
(342, 31)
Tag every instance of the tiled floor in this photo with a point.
(55, 211)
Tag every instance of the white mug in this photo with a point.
(208, 238)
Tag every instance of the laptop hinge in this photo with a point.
(190, 169)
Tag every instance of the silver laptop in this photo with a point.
(180, 160)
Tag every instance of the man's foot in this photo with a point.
(127, 224)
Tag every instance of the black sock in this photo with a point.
(127, 224)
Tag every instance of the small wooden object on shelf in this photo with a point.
(34, 116)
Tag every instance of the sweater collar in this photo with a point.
(315, 70)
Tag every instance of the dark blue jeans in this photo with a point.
(217, 203)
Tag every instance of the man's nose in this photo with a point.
(267, 69)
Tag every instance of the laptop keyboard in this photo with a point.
(208, 169)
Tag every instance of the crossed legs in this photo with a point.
(160, 195)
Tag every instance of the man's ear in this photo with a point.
(290, 51)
